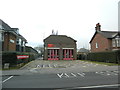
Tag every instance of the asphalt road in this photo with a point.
(68, 76)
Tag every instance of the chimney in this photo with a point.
(98, 27)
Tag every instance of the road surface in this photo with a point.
(62, 75)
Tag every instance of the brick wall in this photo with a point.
(9, 42)
(103, 43)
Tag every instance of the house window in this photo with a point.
(118, 42)
(113, 42)
(23, 43)
(1, 27)
(96, 45)
(1, 36)
(20, 41)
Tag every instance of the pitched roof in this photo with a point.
(83, 50)
(7, 28)
(59, 38)
(106, 34)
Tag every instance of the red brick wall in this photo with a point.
(103, 43)
(9, 46)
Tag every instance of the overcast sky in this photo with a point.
(75, 18)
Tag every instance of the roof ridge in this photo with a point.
(109, 31)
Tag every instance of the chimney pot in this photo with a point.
(98, 27)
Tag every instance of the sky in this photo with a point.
(75, 18)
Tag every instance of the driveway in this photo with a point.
(45, 66)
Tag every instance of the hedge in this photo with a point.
(11, 58)
(111, 56)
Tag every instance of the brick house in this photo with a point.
(59, 47)
(10, 38)
(104, 40)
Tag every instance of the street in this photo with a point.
(62, 75)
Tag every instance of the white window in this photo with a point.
(113, 42)
(17, 41)
(1, 36)
(96, 45)
(12, 41)
(23, 43)
(0, 26)
(118, 42)
(20, 41)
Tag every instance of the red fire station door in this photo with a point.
(53, 54)
(67, 54)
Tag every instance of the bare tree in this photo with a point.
(40, 49)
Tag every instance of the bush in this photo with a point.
(111, 57)
(11, 57)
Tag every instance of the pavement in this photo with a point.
(49, 67)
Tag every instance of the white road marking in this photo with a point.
(92, 87)
(7, 79)
(100, 86)
(33, 70)
(96, 72)
(66, 75)
(81, 74)
(96, 65)
(73, 74)
(43, 66)
(60, 75)
(54, 65)
(49, 65)
(108, 74)
(38, 66)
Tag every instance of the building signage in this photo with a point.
(51, 45)
(22, 56)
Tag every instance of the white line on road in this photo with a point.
(33, 70)
(73, 74)
(81, 74)
(91, 87)
(7, 79)
(100, 86)
(54, 65)
(83, 66)
(43, 66)
(66, 75)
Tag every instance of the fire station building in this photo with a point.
(59, 47)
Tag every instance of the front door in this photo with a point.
(67, 54)
(53, 54)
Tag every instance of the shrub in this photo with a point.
(11, 57)
(111, 56)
